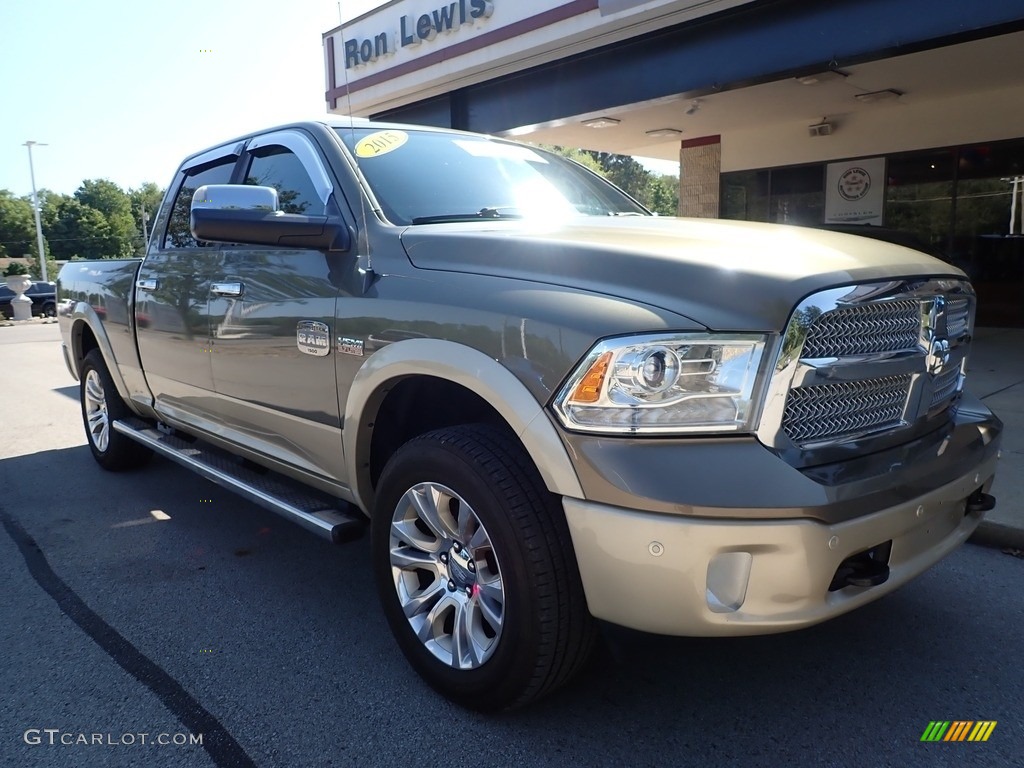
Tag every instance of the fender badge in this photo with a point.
(313, 338)
(347, 346)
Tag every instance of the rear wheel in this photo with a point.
(49, 309)
(102, 405)
(476, 570)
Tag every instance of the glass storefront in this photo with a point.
(955, 202)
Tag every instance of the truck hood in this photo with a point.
(724, 275)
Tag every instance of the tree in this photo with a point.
(80, 230)
(17, 225)
(116, 208)
(584, 158)
(658, 193)
(145, 198)
(663, 195)
(624, 172)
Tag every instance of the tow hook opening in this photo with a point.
(979, 502)
(863, 569)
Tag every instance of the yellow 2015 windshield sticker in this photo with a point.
(380, 143)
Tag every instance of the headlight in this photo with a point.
(681, 383)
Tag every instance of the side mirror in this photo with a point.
(241, 213)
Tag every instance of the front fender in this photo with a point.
(475, 371)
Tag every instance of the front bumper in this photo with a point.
(737, 573)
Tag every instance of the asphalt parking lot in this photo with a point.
(225, 621)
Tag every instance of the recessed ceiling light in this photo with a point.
(873, 96)
(828, 76)
(664, 133)
(602, 122)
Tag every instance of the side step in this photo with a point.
(306, 507)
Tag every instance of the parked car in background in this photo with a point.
(42, 293)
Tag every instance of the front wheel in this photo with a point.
(101, 406)
(476, 571)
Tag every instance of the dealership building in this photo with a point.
(905, 114)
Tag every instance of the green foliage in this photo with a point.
(15, 268)
(17, 225)
(659, 193)
(662, 195)
(145, 200)
(79, 230)
(99, 221)
(115, 207)
(584, 158)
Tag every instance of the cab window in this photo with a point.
(280, 168)
(179, 234)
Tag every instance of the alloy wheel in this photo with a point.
(447, 576)
(97, 419)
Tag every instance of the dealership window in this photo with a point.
(957, 201)
(985, 245)
(745, 195)
(919, 195)
(798, 195)
(782, 195)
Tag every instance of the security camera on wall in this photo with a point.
(824, 128)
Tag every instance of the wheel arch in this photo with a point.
(455, 366)
(87, 333)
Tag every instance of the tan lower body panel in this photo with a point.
(703, 577)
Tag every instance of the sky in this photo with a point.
(125, 90)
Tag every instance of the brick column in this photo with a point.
(700, 171)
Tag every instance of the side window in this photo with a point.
(279, 167)
(179, 235)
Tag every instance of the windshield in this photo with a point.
(427, 177)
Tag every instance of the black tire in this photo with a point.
(49, 309)
(547, 633)
(101, 405)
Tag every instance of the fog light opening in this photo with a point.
(728, 576)
(864, 569)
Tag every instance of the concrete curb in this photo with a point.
(998, 536)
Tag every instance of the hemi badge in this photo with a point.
(347, 346)
(313, 338)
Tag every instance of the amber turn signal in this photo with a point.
(589, 388)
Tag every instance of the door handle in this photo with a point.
(147, 285)
(231, 290)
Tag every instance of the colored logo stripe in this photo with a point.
(958, 730)
(982, 730)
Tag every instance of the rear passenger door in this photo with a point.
(271, 321)
(171, 300)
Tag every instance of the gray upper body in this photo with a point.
(505, 309)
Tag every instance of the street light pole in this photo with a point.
(35, 206)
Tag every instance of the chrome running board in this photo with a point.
(312, 511)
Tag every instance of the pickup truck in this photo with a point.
(547, 406)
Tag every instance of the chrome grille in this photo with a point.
(883, 326)
(831, 411)
(958, 316)
(945, 386)
(860, 365)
